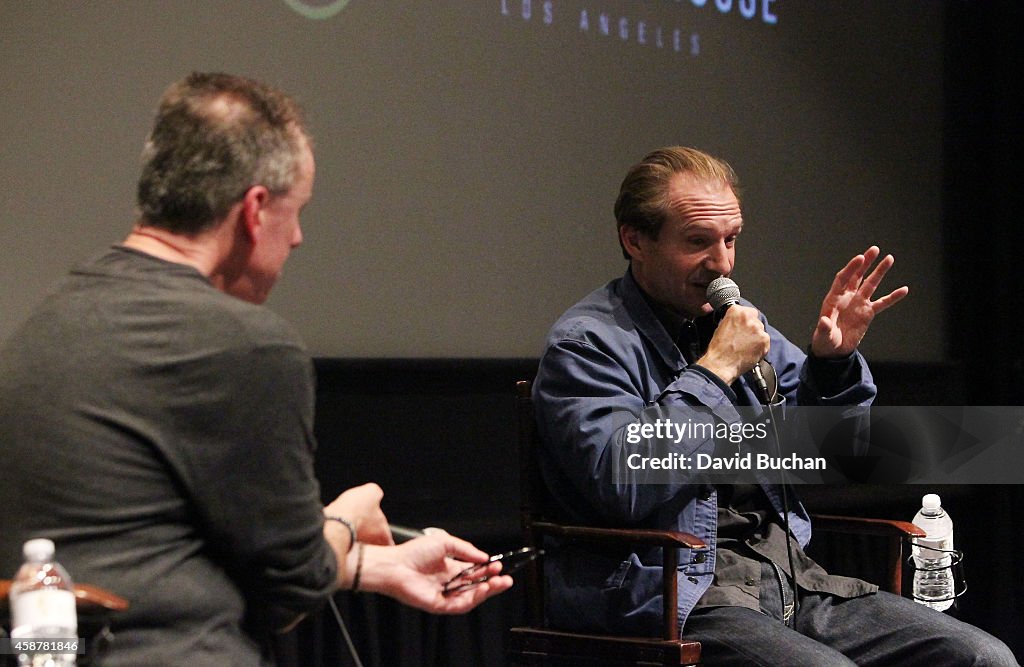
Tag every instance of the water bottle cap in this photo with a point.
(39, 549)
(931, 501)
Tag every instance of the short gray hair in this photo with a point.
(215, 136)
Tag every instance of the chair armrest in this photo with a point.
(650, 537)
(669, 540)
(862, 526)
(86, 597)
(89, 596)
(894, 532)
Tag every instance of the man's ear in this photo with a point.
(633, 241)
(253, 202)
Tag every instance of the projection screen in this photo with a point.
(469, 152)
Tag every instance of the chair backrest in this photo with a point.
(531, 496)
(531, 484)
(529, 643)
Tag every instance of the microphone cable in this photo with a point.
(722, 293)
(786, 613)
(766, 397)
(344, 632)
(399, 534)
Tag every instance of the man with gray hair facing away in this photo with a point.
(157, 420)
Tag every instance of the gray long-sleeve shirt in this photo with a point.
(161, 433)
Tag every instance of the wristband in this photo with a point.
(347, 524)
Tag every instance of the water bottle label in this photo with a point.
(933, 548)
(47, 608)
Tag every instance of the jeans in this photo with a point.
(880, 629)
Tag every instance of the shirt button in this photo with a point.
(692, 580)
(699, 557)
(749, 581)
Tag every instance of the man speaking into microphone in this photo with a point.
(651, 338)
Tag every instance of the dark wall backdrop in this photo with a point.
(983, 198)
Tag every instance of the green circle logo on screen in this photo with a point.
(317, 11)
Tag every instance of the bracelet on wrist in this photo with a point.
(347, 524)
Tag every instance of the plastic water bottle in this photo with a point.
(43, 613)
(933, 576)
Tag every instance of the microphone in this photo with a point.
(723, 292)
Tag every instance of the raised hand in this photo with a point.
(847, 311)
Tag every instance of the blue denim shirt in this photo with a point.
(606, 359)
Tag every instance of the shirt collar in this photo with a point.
(657, 322)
